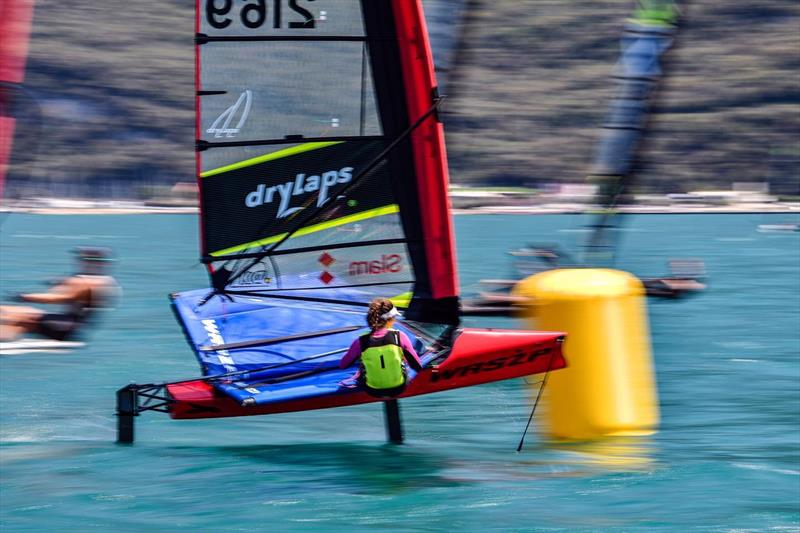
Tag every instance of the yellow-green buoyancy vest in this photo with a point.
(382, 361)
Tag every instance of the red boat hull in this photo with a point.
(478, 356)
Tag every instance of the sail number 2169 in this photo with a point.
(254, 14)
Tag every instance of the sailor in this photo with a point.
(89, 289)
(384, 353)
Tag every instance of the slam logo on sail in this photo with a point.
(301, 186)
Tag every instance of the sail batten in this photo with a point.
(293, 150)
(286, 140)
(322, 226)
(253, 255)
(203, 39)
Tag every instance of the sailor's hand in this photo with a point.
(17, 297)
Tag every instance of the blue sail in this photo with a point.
(307, 368)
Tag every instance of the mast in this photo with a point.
(430, 159)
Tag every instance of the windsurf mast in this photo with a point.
(15, 27)
(321, 159)
(647, 37)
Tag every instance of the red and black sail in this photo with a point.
(321, 160)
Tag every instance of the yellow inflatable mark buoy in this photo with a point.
(608, 387)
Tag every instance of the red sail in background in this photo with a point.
(15, 26)
(430, 159)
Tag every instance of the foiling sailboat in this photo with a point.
(323, 182)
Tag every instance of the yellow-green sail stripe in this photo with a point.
(403, 299)
(286, 152)
(364, 215)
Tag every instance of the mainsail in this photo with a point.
(321, 159)
(647, 38)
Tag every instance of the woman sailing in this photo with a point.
(384, 354)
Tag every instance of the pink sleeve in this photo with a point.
(352, 354)
(405, 343)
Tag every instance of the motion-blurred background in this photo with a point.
(108, 102)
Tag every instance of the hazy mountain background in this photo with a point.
(529, 86)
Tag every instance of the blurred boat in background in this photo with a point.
(786, 227)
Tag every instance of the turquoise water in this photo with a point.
(727, 457)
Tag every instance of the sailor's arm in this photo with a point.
(410, 354)
(65, 292)
(352, 354)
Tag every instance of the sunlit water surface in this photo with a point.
(727, 457)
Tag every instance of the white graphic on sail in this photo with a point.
(221, 126)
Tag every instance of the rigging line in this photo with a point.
(435, 357)
(356, 180)
(241, 373)
(420, 332)
(417, 330)
(298, 298)
(538, 397)
(282, 379)
(202, 145)
(208, 258)
(275, 340)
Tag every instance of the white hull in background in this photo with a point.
(23, 346)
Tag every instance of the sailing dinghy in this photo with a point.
(323, 184)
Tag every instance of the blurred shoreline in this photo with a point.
(67, 207)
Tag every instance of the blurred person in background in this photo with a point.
(91, 288)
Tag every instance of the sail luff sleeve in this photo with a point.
(430, 159)
(198, 121)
